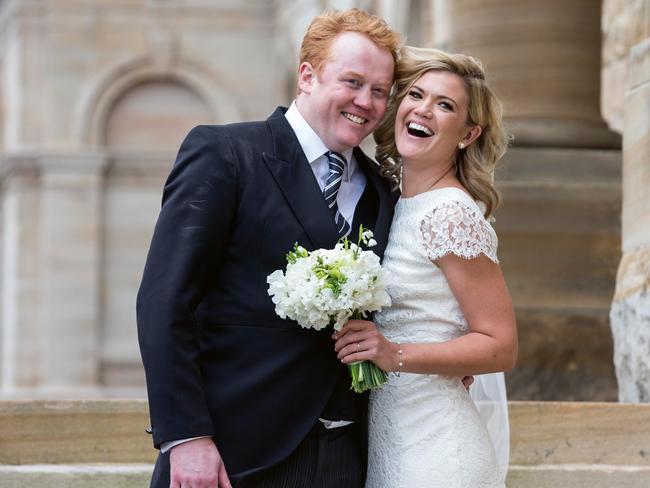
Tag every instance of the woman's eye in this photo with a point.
(446, 106)
(415, 94)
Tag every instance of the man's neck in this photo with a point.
(312, 144)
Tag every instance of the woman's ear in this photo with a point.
(471, 135)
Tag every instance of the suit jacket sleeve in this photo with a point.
(189, 240)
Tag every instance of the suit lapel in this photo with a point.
(386, 201)
(296, 180)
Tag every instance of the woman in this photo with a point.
(452, 315)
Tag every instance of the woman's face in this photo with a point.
(431, 119)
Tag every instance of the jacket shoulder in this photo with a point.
(235, 135)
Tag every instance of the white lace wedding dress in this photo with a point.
(425, 430)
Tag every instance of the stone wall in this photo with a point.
(625, 23)
(630, 313)
(95, 100)
(96, 96)
(558, 225)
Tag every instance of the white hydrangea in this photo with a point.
(327, 286)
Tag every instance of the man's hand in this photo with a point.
(197, 464)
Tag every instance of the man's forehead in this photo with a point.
(358, 54)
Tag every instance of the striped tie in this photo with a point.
(331, 190)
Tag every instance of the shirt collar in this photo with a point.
(311, 144)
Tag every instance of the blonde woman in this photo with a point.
(452, 315)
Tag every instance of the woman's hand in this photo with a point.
(359, 340)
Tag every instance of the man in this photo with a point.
(239, 397)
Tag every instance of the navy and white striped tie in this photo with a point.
(331, 190)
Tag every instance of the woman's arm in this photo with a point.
(491, 344)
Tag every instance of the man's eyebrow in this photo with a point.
(355, 74)
(351, 72)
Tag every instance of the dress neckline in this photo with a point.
(432, 191)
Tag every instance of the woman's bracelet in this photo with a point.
(400, 362)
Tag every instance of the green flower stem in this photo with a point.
(365, 374)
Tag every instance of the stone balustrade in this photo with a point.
(102, 443)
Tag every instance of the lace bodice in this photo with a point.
(455, 227)
(425, 228)
(425, 431)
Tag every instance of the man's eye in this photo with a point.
(380, 92)
(354, 83)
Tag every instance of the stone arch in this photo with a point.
(155, 113)
(123, 99)
(99, 100)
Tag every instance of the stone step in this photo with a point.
(75, 476)
(102, 443)
(76, 431)
(578, 476)
(138, 475)
(582, 433)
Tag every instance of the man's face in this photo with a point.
(347, 99)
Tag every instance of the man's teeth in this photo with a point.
(421, 128)
(354, 118)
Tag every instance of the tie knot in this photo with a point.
(336, 161)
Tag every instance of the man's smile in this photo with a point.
(354, 118)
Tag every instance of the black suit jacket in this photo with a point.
(218, 360)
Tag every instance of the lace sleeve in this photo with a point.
(457, 228)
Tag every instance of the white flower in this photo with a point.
(327, 286)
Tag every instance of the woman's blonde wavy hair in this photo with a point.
(475, 164)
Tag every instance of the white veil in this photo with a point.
(489, 393)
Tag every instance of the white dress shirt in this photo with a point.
(354, 181)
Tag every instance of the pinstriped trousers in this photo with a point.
(324, 459)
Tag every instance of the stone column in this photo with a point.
(630, 314)
(558, 225)
(544, 58)
(19, 287)
(395, 13)
(70, 252)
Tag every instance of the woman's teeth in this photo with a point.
(419, 130)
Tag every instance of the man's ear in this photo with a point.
(306, 75)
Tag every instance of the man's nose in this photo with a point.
(364, 98)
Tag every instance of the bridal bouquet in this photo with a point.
(328, 287)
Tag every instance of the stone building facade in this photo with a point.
(626, 96)
(96, 96)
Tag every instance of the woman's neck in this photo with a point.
(416, 180)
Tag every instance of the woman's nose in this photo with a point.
(424, 110)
